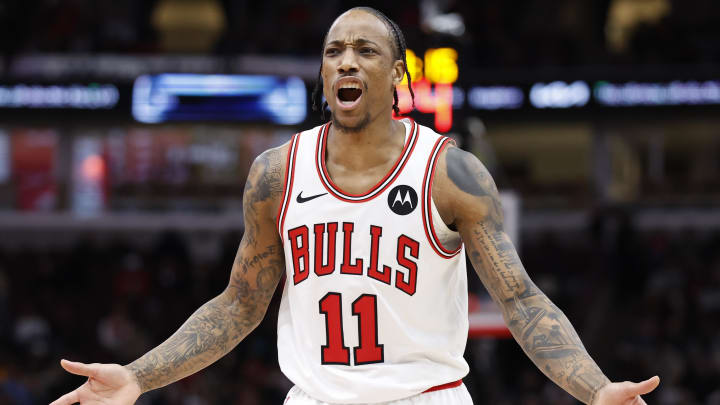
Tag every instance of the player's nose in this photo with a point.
(348, 62)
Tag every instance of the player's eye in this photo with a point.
(366, 50)
(331, 51)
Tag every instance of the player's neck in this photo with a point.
(376, 143)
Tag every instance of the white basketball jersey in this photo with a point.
(374, 307)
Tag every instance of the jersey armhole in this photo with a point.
(427, 202)
(288, 185)
(445, 236)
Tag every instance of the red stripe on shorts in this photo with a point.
(444, 386)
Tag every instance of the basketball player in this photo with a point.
(370, 219)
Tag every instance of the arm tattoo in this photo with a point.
(220, 324)
(264, 185)
(540, 327)
(470, 176)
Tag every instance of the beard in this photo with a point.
(346, 128)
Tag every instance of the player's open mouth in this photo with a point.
(349, 92)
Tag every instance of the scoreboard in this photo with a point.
(432, 83)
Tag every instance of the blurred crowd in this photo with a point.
(496, 33)
(644, 303)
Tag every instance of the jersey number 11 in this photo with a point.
(335, 351)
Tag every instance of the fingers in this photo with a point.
(638, 401)
(67, 399)
(87, 370)
(642, 387)
(648, 385)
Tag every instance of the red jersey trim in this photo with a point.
(444, 386)
(289, 177)
(442, 251)
(381, 186)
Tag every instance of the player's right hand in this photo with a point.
(106, 384)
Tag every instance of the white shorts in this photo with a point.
(450, 396)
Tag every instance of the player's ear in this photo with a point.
(398, 72)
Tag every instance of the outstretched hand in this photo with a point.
(625, 393)
(106, 384)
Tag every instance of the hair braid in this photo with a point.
(317, 96)
(399, 52)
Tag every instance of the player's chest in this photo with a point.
(357, 181)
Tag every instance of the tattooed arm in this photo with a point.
(221, 323)
(466, 197)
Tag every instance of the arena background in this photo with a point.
(127, 129)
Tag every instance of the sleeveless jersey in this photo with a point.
(374, 306)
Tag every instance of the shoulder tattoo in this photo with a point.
(469, 175)
(265, 180)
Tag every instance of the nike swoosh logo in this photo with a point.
(300, 199)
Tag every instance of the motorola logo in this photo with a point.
(402, 200)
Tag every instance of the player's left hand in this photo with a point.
(626, 392)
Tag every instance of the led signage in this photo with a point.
(197, 97)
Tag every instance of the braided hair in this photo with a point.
(399, 52)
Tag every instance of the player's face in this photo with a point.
(359, 71)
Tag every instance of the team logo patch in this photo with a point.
(402, 200)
